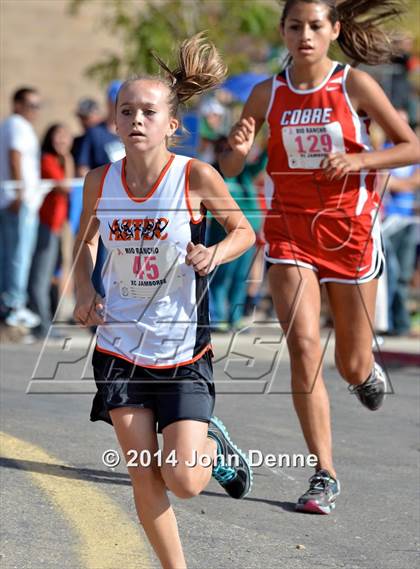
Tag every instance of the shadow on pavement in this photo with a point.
(287, 506)
(91, 475)
(104, 477)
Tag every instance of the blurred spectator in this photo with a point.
(400, 243)
(89, 115)
(402, 92)
(56, 164)
(397, 77)
(400, 239)
(19, 161)
(101, 145)
(228, 284)
(212, 126)
(257, 288)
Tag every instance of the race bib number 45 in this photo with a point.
(307, 146)
(145, 272)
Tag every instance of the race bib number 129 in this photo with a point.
(307, 146)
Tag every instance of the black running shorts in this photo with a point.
(173, 394)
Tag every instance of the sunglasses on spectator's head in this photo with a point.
(34, 106)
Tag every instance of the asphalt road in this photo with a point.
(61, 507)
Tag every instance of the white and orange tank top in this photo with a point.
(156, 306)
(304, 127)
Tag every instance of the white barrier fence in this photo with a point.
(45, 186)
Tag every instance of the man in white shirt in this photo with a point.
(20, 200)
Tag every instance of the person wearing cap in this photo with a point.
(101, 145)
(89, 115)
(212, 126)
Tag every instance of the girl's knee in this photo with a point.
(306, 363)
(181, 481)
(304, 348)
(355, 369)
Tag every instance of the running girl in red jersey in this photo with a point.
(152, 361)
(320, 227)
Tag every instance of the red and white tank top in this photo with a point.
(305, 126)
(156, 307)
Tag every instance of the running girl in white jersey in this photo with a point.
(320, 226)
(152, 362)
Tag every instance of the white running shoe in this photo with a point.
(23, 317)
(372, 392)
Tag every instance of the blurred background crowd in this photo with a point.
(41, 179)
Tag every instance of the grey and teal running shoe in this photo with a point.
(371, 393)
(232, 470)
(321, 496)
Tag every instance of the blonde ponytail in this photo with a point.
(199, 69)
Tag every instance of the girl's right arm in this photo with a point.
(243, 133)
(89, 304)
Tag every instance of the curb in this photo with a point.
(399, 358)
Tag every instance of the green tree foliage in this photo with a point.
(243, 30)
(411, 22)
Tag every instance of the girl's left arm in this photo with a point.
(366, 95)
(207, 188)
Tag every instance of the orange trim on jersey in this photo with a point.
(187, 193)
(101, 187)
(195, 358)
(152, 189)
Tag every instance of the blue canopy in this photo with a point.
(240, 86)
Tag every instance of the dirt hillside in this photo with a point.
(42, 45)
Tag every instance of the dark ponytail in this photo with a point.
(361, 37)
(47, 145)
